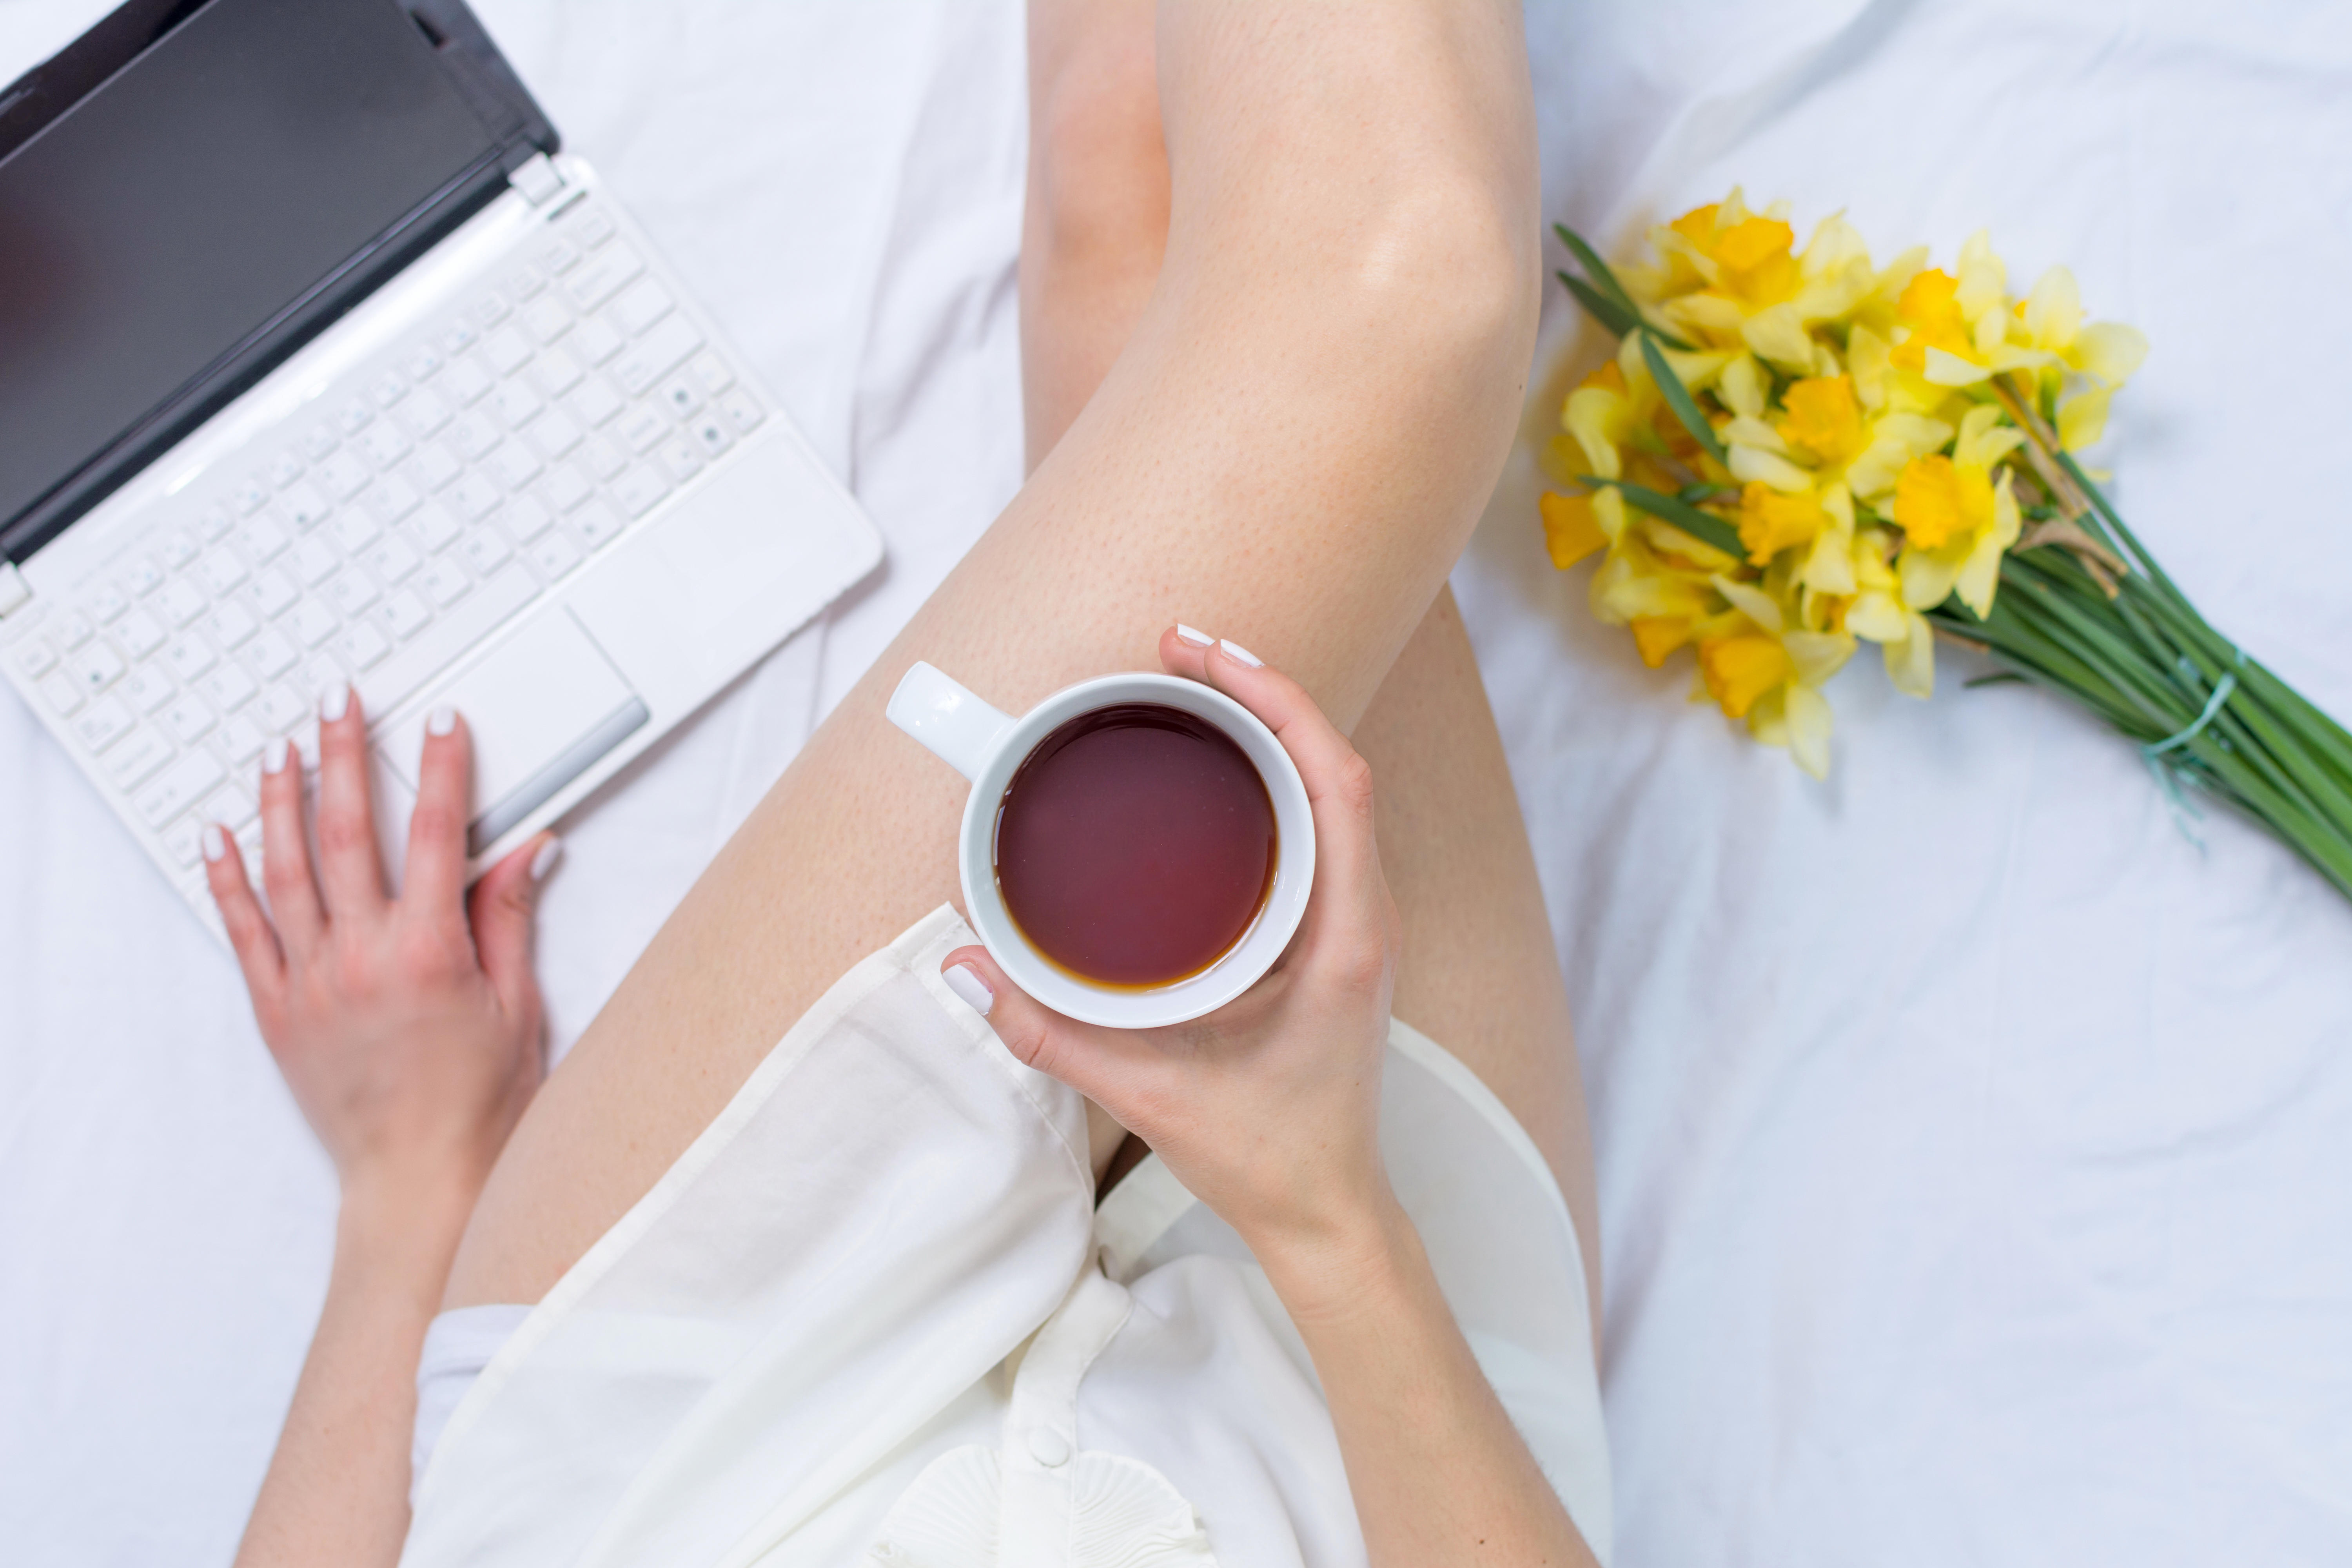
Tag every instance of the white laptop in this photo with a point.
(319, 361)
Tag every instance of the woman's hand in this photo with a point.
(1267, 1109)
(408, 1028)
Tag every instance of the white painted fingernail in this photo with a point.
(335, 701)
(441, 721)
(215, 841)
(544, 861)
(1235, 651)
(1197, 639)
(273, 760)
(970, 989)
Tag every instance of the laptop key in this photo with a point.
(231, 805)
(352, 591)
(467, 382)
(360, 646)
(144, 576)
(605, 275)
(280, 709)
(75, 629)
(99, 668)
(135, 760)
(182, 601)
(231, 623)
(394, 559)
(639, 489)
(188, 720)
(36, 659)
(596, 341)
(103, 722)
(242, 739)
(222, 571)
(273, 653)
(436, 528)
(444, 581)
(486, 550)
(304, 507)
(314, 560)
(140, 633)
(655, 354)
(345, 475)
(189, 657)
(146, 690)
(63, 692)
(554, 556)
(263, 538)
(313, 623)
(406, 615)
(180, 786)
(230, 686)
(508, 349)
(273, 592)
(641, 305)
(185, 840)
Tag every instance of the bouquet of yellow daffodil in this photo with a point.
(1794, 450)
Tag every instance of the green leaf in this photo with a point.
(1678, 398)
(1601, 307)
(1703, 526)
(1606, 283)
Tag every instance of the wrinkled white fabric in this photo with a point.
(874, 1314)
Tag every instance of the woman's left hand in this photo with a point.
(409, 1029)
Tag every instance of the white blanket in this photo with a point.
(1976, 1150)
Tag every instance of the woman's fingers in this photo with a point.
(1116, 1069)
(286, 850)
(1351, 902)
(436, 878)
(348, 871)
(249, 933)
(504, 909)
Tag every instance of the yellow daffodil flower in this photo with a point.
(1867, 467)
(1760, 669)
(1879, 613)
(1957, 517)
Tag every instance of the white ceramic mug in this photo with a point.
(988, 747)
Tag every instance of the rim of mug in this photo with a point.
(1195, 995)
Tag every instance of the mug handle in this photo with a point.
(960, 729)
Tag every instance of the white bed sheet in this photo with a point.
(1976, 1153)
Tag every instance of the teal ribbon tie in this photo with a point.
(2166, 769)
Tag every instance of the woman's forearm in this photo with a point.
(1439, 1475)
(337, 1490)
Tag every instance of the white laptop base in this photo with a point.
(525, 477)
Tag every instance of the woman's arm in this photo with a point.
(1268, 1111)
(409, 1031)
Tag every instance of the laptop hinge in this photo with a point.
(538, 180)
(13, 595)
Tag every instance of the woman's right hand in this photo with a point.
(409, 1028)
(1267, 1109)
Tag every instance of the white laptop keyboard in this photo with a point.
(439, 489)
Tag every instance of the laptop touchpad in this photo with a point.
(542, 709)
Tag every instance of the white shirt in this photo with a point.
(872, 1316)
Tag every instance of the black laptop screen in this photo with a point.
(185, 206)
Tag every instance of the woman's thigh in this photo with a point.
(1290, 451)
(1479, 974)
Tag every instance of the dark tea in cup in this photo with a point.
(1135, 845)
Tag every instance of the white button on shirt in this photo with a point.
(873, 1316)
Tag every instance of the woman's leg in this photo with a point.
(1479, 974)
(1291, 450)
